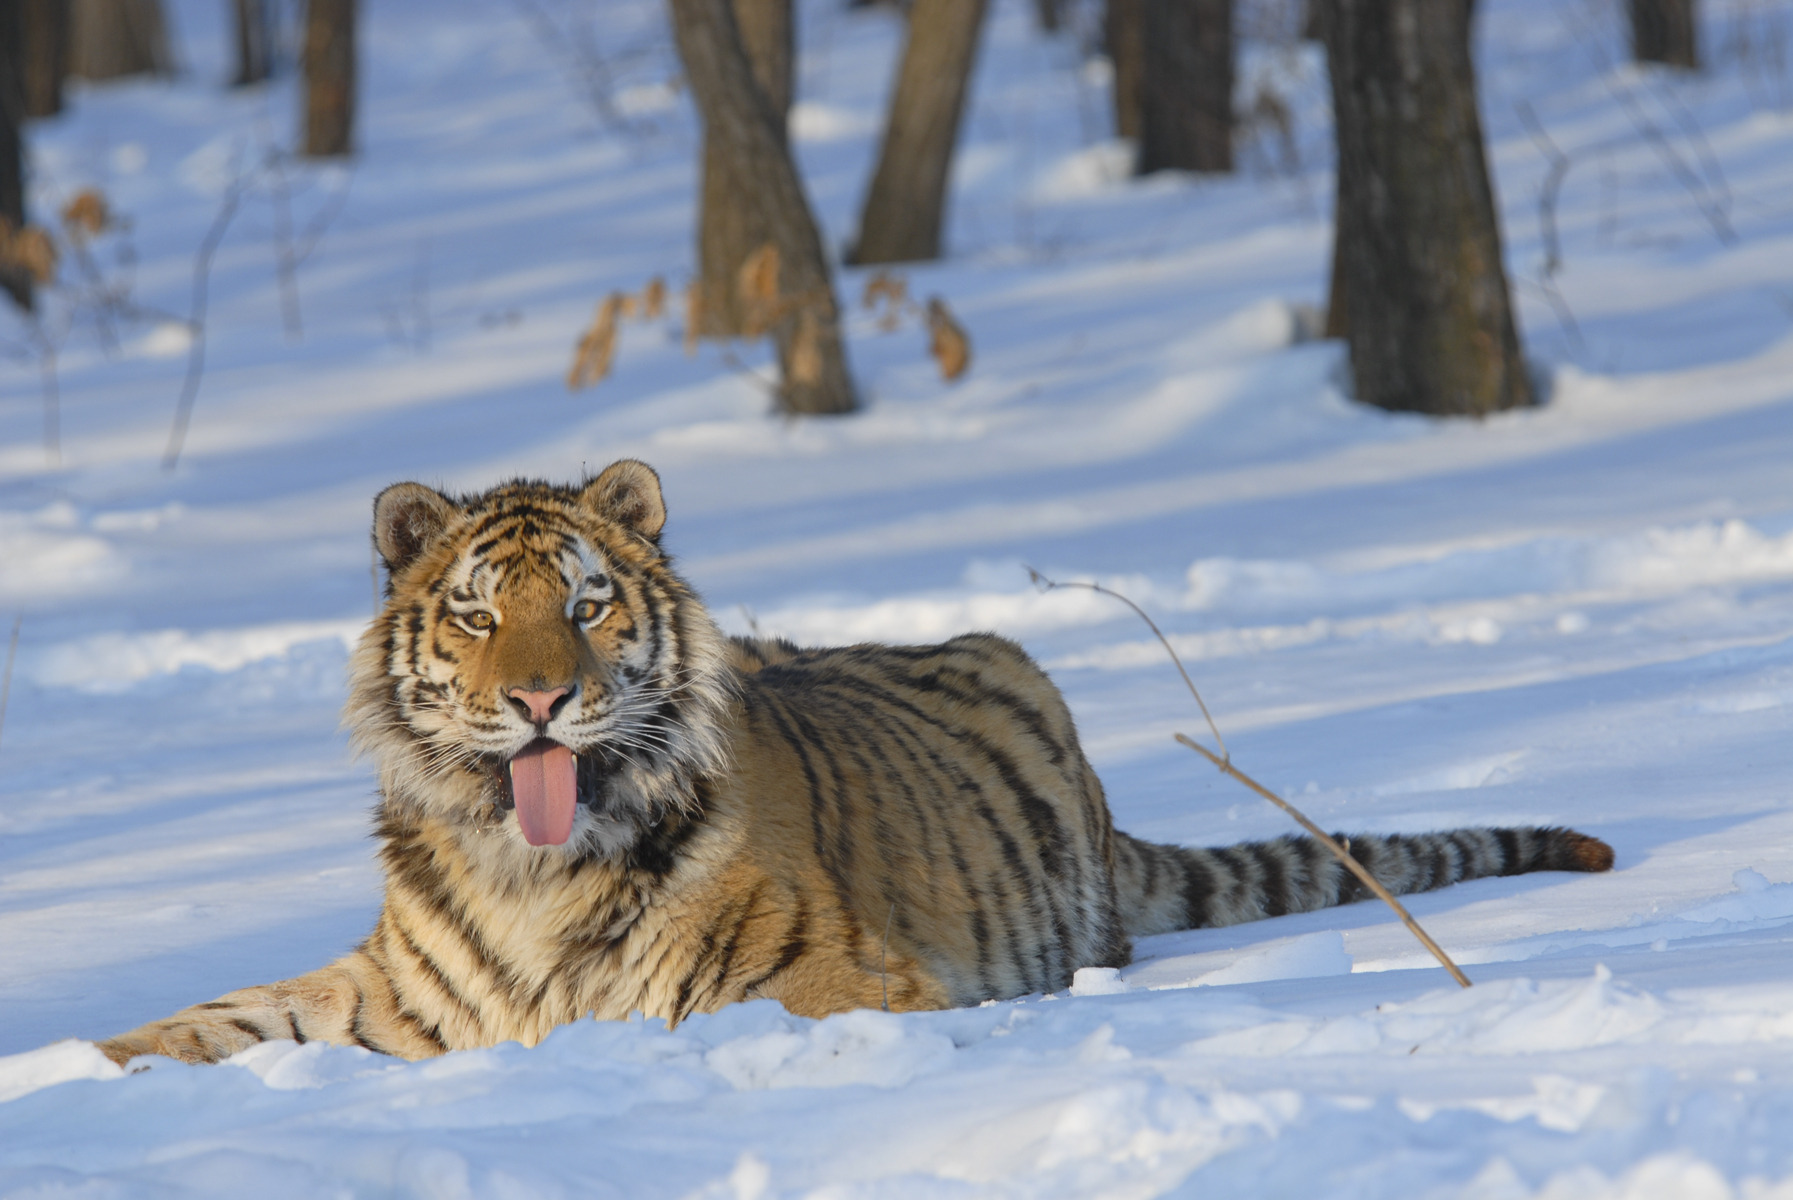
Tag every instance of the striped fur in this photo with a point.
(910, 826)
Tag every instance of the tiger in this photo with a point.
(592, 803)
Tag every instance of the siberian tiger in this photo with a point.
(592, 802)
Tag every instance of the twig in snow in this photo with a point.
(1046, 585)
(1223, 760)
(12, 652)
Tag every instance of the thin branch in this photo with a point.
(1339, 852)
(12, 652)
(1046, 585)
(1553, 184)
(1224, 761)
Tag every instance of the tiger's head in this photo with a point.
(538, 670)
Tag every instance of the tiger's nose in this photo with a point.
(540, 707)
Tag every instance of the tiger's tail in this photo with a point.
(1162, 888)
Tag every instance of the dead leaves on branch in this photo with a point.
(596, 350)
(769, 311)
(28, 250)
(948, 343)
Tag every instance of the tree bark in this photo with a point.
(1124, 30)
(13, 279)
(1665, 31)
(330, 78)
(739, 120)
(1186, 118)
(904, 209)
(44, 34)
(255, 42)
(111, 39)
(1418, 256)
(729, 230)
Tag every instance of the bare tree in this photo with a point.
(740, 123)
(1124, 31)
(1418, 258)
(14, 279)
(254, 42)
(329, 78)
(728, 230)
(1186, 102)
(110, 39)
(1665, 31)
(44, 34)
(905, 206)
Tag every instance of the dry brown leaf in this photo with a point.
(653, 299)
(893, 290)
(87, 215)
(757, 285)
(947, 340)
(694, 316)
(591, 360)
(29, 249)
(806, 351)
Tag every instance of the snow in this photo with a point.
(1577, 614)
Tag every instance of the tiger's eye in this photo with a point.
(479, 620)
(585, 610)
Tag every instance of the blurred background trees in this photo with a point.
(741, 126)
(904, 207)
(1665, 31)
(329, 68)
(1417, 261)
(111, 39)
(730, 230)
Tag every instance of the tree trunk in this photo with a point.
(1124, 30)
(13, 278)
(44, 35)
(1418, 254)
(1664, 31)
(738, 119)
(330, 78)
(1050, 14)
(903, 210)
(255, 42)
(110, 39)
(1187, 102)
(728, 230)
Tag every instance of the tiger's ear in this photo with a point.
(407, 517)
(628, 492)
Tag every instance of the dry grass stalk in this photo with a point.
(694, 316)
(806, 350)
(947, 340)
(757, 285)
(1223, 760)
(653, 299)
(591, 361)
(87, 215)
(629, 306)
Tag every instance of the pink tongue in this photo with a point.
(545, 785)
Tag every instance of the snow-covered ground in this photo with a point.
(1581, 614)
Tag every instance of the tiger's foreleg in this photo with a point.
(351, 1002)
